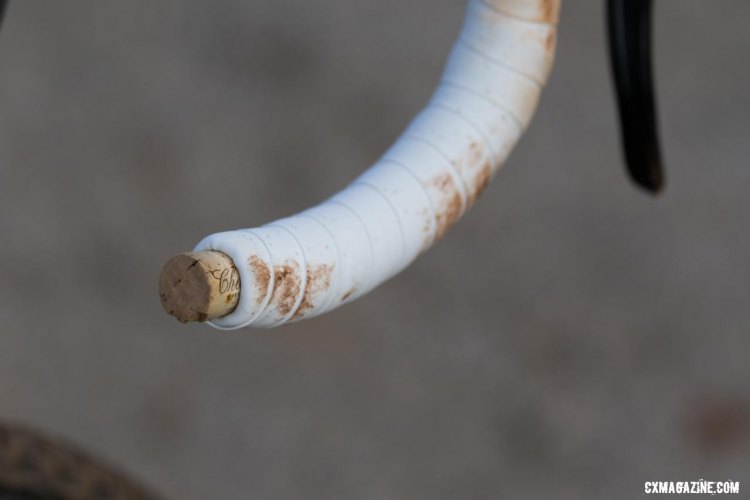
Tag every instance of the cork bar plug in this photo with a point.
(199, 286)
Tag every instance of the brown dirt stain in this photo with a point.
(549, 42)
(262, 277)
(482, 180)
(475, 155)
(286, 287)
(548, 11)
(718, 424)
(448, 213)
(348, 294)
(476, 152)
(318, 281)
(426, 228)
(472, 156)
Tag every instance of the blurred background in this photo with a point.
(571, 338)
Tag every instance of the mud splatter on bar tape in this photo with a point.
(312, 262)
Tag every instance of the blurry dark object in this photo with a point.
(34, 466)
(630, 51)
(3, 3)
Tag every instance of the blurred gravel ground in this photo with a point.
(570, 339)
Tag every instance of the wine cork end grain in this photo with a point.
(199, 286)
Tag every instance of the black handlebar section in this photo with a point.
(629, 24)
(2, 9)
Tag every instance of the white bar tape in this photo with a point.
(312, 262)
